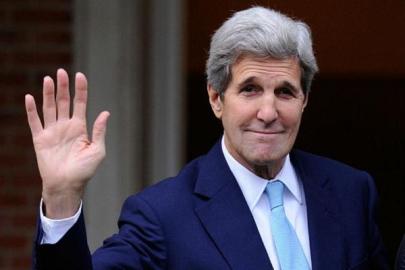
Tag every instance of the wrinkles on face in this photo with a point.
(261, 112)
(273, 71)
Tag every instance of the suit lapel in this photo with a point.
(325, 231)
(225, 215)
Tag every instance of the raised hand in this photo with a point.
(66, 157)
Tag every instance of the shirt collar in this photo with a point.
(253, 186)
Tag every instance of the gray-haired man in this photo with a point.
(250, 203)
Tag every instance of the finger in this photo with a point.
(49, 106)
(80, 100)
(62, 95)
(100, 128)
(32, 115)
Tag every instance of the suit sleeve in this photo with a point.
(70, 252)
(139, 244)
(400, 260)
(377, 252)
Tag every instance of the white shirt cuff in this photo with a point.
(55, 229)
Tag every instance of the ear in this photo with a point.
(215, 101)
(305, 102)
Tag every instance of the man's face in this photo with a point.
(261, 111)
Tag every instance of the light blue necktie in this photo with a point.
(289, 250)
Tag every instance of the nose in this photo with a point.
(267, 110)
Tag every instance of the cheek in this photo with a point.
(240, 119)
(292, 118)
(230, 123)
(234, 121)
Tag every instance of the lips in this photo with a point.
(266, 132)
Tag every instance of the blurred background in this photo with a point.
(145, 63)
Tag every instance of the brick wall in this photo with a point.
(35, 39)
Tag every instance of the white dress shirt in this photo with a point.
(55, 229)
(253, 188)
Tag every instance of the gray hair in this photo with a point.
(260, 32)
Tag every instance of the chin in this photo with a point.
(268, 157)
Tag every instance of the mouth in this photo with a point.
(266, 132)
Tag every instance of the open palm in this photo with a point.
(66, 157)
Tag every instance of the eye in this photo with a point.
(284, 92)
(249, 89)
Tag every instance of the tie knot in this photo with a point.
(275, 191)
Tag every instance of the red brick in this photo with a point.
(2, 15)
(13, 39)
(22, 140)
(4, 101)
(7, 36)
(35, 39)
(5, 57)
(21, 262)
(41, 16)
(31, 181)
(39, 58)
(13, 79)
(54, 37)
(2, 183)
(10, 118)
(12, 160)
(12, 241)
(7, 200)
(24, 221)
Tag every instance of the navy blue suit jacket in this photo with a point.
(200, 220)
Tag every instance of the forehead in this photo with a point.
(267, 68)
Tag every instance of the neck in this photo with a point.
(268, 171)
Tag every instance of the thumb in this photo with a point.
(100, 128)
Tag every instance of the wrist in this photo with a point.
(60, 206)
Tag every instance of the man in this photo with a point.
(251, 203)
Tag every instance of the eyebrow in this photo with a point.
(252, 79)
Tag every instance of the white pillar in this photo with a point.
(115, 47)
(167, 97)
